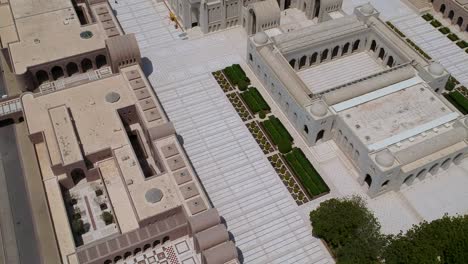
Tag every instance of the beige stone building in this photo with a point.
(354, 81)
(119, 185)
(454, 10)
(253, 15)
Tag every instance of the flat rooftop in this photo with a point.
(328, 75)
(393, 114)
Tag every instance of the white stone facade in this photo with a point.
(253, 15)
(383, 121)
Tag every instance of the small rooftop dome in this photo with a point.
(367, 9)
(318, 109)
(112, 97)
(436, 69)
(385, 158)
(153, 195)
(261, 38)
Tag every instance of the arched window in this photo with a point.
(356, 45)
(41, 77)
(146, 247)
(446, 163)
(335, 52)
(293, 63)
(373, 45)
(324, 55)
(368, 180)
(434, 168)
(108, 261)
(86, 65)
(381, 53)
(390, 61)
(156, 243)
(345, 49)
(458, 158)
(451, 14)
(136, 251)
(385, 184)
(72, 68)
(319, 135)
(460, 21)
(313, 58)
(165, 239)
(421, 173)
(306, 129)
(302, 62)
(57, 72)
(117, 259)
(407, 179)
(101, 61)
(127, 254)
(442, 8)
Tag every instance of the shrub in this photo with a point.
(78, 226)
(444, 30)
(428, 17)
(350, 229)
(262, 114)
(436, 23)
(242, 84)
(237, 76)
(462, 44)
(107, 217)
(306, 173)
(284, 146)
(280, 128)
(98, 192)
(271, 131)
(254, 100)
(453, 37)
(460, 99)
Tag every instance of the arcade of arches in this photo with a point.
(69, 69)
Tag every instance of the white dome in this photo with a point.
(319, 109)
(367, 9)
(436, 69)
(261, 38)
(385, 158)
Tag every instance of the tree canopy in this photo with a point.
(443, 240)
(350, 230)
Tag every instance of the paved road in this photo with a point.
(18, 197)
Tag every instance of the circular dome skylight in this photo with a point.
(112, 97)
(86, 34)
(153, 195)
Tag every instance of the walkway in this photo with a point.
(437, 45)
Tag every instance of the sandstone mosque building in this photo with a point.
(118, 183)
(253, 15)
(355, 81)
(454, 10)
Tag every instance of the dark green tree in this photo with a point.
(443, 240)
(351, 231)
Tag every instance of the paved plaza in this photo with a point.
(434, 43)
(266, 223)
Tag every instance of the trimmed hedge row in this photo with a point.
(418, 49)
(396, 29)
(278, 134)
(461, 100)
(306, 173)
(280, 127)
(427, 17)
(453, 37)
(237, 76)
(444, 30)
(254, 100)
(462, 44)
(436, 23)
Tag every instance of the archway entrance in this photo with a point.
(368, 180)
(41, 77)
(287, 4)
(319, 135)
(253, 19)
(317, 8)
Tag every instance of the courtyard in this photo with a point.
(266, 223)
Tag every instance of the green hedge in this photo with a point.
(418, 49)
(254, 100)
(306, 173)
(462, 44)
(461, 100)
(436, 23)
(237, 76)
(278, 133)
(444, 30)
(396, 29)
(453, 37)
(427, 17)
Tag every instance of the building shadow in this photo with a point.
(147, 66)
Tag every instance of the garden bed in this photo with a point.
(239, 106)
(254, 100)
(306, 173)
(260, 137)
(237, 76)
(223, 82)
(278, 134)
(458, 100)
